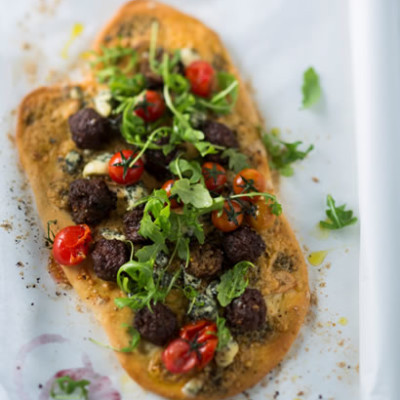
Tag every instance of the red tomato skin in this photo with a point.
(167, 186)
(178, 358)
(195, 347)
(116, 173)
(71, 244)
(214, 184)
(202, 332)
(200, 75)
(258, 184)
(222, 222)
(155, 108)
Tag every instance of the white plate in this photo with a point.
(272, 43)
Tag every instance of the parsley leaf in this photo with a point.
(282, 154)
(233, 283)
(237, 161)
(311, 88)
(224, 334)
(338, 217)
(65, 386)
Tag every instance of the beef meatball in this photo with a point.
(108, 256)
(158, 325)
(90, 201)
(221, 135)
(243, 244)
(247, 312)
(205, 261)
(89, 129)
(131, 222)
(156, 162)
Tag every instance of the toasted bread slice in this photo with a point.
(43, 138)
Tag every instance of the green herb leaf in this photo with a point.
(64, 387)
(195, 194)
(134, 333)
(49, 239)
(233, 283)
(311, 88)
(224, 334)
(282, 154)
(187, 169)
(337, 217)
(224, 100)
(237, 160)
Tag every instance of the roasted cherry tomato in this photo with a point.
(167, 187)
(151, 107)
(200, 75)
(214, 176)
(230, 218)
(262, 217)
(71, 244)
(121, 170)
(194, 348)
(249, 180)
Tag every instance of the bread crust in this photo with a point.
(43, 136)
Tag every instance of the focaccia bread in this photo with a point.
(266, 313)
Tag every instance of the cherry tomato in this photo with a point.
(151, 107)
(194, 348)
(214, 176)
(120, 169)
(200, 74)
(230, 218)
(71, 244)
(178, 357)
(263, 218)
(174, 203)
(249, 180)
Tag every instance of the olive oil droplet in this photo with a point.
(76, 31)
(343, 321)
(316, 258)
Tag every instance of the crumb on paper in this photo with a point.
(315, 179)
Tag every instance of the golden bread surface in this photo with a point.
(43, 139)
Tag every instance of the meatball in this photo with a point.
(247, 312)
(243, 244)
(158, 325)
(221, 135)
(108, 256)
(156, 162)
(89, 129)
(205, 261)
(131, 222)
(90, 201)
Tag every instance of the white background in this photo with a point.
(273, 42)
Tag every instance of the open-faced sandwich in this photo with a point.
(167, 222)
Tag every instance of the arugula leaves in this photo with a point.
(134, 333)
(237, 160)
(337, 217)
(187, 169)
(282, 154)
(195, 194)
(233, 283)
(311, 88)
(224, 334)
(65, 386)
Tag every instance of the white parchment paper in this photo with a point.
(272, 42)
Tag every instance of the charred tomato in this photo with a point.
(214, 176)
(200, 75)
(122, 171)
(194, 348)
(230, 218)
(71, 244)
